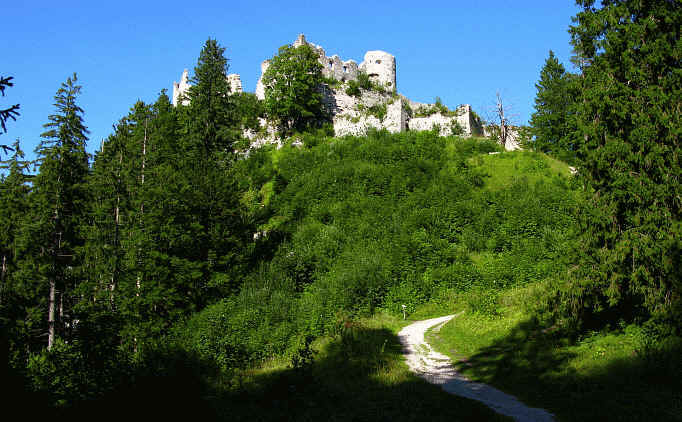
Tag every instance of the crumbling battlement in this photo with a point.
(379, 65)
(375, 108)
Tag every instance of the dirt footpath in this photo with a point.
(437, 369)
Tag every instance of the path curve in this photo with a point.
(436, 368)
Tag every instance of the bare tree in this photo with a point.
(503, 120)
(499, 122)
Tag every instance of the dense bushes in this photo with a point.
(358, 224)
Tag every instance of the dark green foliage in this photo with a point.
(629, 123)
(10, 112)
(357, 224)
(52, 234)
(363, 81)
(553, 122)
(292, 83)
(210, 114)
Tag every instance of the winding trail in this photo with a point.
(436, 368)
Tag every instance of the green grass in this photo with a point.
(600, 376)
(505, 168)
(357, 375)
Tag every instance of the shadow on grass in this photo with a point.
(357, 376)
(536, 367)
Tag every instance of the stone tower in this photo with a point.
(180, 88)
(380, 66)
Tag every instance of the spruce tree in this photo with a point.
(552, 121)
(59, 202)
(629, 122)
(14, 192)
(14, 197)
(211, 116)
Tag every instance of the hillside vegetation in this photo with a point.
(184, 271)
(354, 225)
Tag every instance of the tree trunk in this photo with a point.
(51, 314)
(2, 276)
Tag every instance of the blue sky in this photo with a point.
(461, 51)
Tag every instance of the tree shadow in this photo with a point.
(534, 365)
(359, 375)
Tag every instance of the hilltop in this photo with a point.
(354, 111)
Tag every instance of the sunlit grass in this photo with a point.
(599, 376)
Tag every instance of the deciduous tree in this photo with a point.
(292, 89)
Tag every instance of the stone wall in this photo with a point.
(463, 117)
(379, 65)
(381, 68)
(235, 82)
(353, 115)
(179, 88)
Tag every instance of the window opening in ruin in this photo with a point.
(331, 64)
(378, 61)
(345, 69)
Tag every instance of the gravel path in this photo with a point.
(436, 369)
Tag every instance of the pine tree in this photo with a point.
(59, 201)
(552, 121)
(629, 122)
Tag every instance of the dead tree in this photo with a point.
(502, 119)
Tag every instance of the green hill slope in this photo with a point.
(354, 225)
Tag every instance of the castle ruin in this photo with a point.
(378, 65)
(380, 108)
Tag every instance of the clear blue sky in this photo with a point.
(125, 50)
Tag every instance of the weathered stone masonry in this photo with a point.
(373, 109)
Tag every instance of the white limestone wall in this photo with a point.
(235, 82)
(380, 66)
(351, 117)
(512, 143)
(463, 117)
(428, 123)
(180, 88)
(260, 88)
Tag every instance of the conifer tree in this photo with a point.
(14, 192)
(59, 202)
(14, 197)
(629, 122)
(552, 121)
(7, 113)
(210, 109)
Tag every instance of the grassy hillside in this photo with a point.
(607, 375)
(352, 226)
